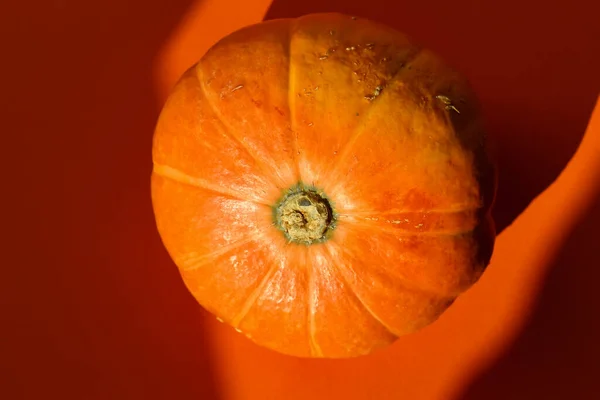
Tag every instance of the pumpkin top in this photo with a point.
(323, 184)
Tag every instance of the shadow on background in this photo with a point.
(92, 306)
(556, 354)
(533, 64)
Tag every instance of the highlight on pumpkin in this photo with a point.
(324, 184)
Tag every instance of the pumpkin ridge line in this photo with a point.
(176, 175)
(352, 290)
(292, 100)
(227, 130)
(193, 263)
(405, 282)
(360, 127)
(405, 233)
(457, 210)
(253, 297)
(407, 227)
(315, 349)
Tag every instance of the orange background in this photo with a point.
(92, 307)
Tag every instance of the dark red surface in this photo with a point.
(92, 307)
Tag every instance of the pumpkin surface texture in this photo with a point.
(323, 184)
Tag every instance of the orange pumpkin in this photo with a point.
(323, 184)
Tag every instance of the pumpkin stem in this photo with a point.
(304, 216)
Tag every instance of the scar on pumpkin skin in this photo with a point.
(329, 52)
(375, 94)
(447, 102)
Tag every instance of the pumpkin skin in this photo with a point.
(380, 140)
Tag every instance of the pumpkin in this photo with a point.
(323, 184)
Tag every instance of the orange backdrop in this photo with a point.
(92, 307)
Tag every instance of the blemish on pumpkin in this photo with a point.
(279, 111)
(447, 102)
(444, 99)
(329, 52)
(257, 103)
(332, 32)
(375, 93)
(307, 92)
(417, 200)
(238, 87)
